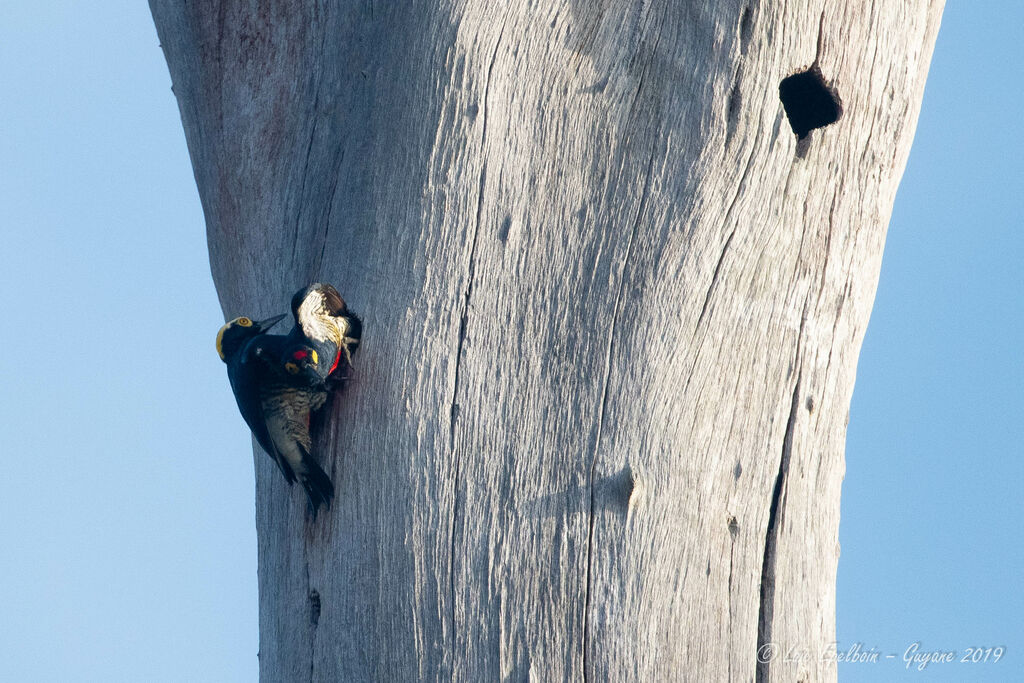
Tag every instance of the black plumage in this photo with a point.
(275, 403)
(280, 381)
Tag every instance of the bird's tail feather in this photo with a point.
(318, 486)
(286, 470)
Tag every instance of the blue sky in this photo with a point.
(932, 500)
(126, 507)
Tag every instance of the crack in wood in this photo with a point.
(314, 599)
(327, 221)
(828, 245)
(746, 29)
(604, 404)
(775, 511)
(309, 153)
(734, 529)
(463, 323)
(725, 247)
(222, 12)
(820, 46)
(714, 280)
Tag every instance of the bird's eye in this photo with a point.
(292, 368)
(244, 322)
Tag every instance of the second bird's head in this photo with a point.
(301, 363)
(234, 335)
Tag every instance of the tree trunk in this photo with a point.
(612, 315)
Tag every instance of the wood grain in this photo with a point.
(612, 318)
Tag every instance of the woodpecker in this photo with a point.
(325, 333)
(275, 403)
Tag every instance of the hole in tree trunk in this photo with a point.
(809, 102)
(314, 607)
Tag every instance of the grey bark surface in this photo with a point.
(612, 318)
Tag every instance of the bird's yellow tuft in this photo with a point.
(220, 340)
(241, 322)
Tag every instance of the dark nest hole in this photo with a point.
(809, 102)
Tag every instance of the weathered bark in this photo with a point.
(612, 318)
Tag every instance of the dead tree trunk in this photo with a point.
(613, 308)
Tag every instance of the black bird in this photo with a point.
(275, 403)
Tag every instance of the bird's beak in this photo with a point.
(265, 325)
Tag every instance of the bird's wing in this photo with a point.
(332, 300)
(246, 383)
